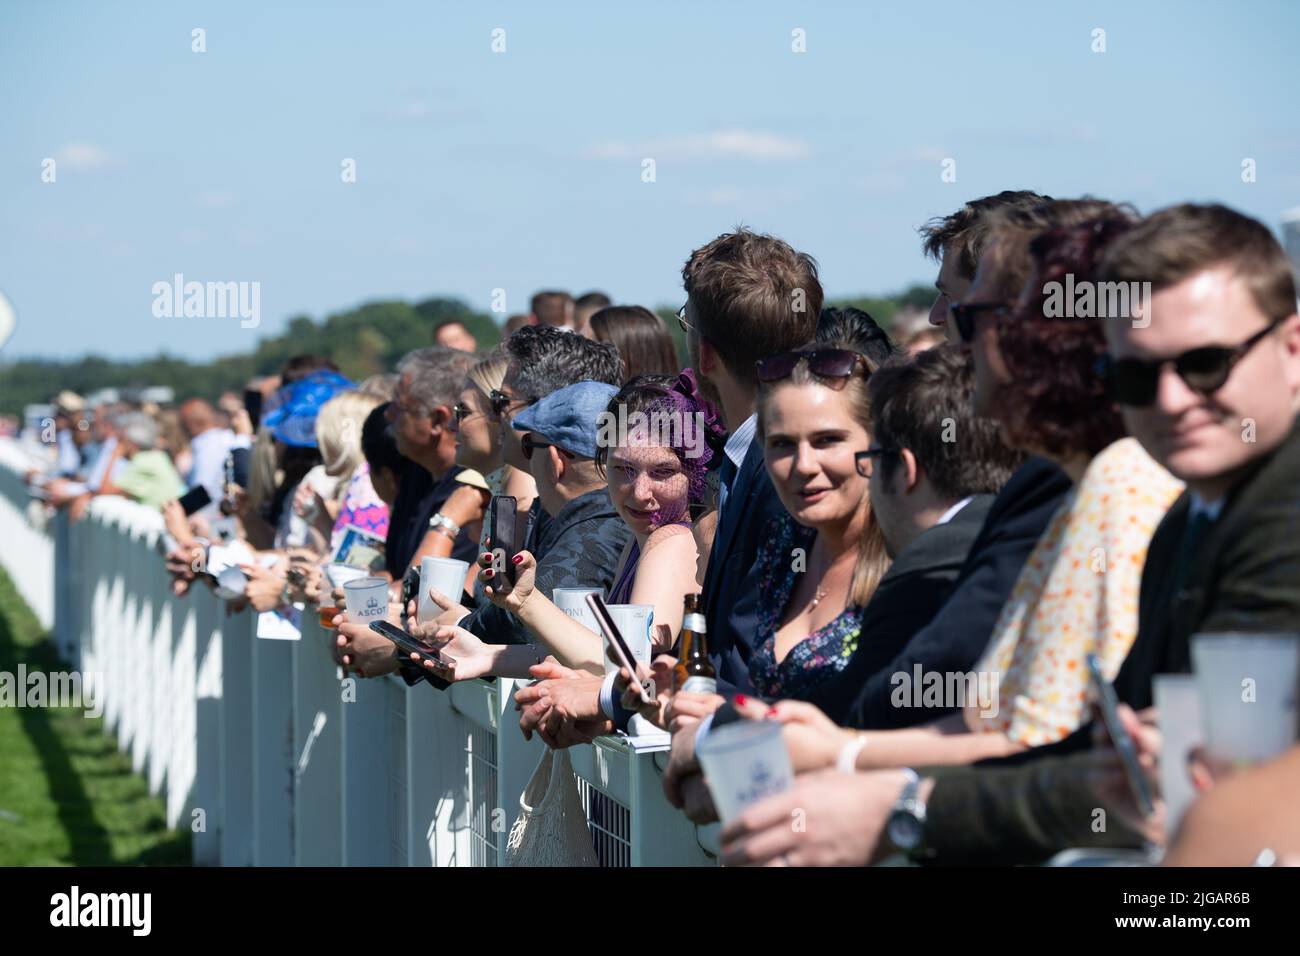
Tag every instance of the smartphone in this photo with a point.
(195, 499)
(1124, 745)
(406, 641)
(645, 686)
(501, 533)
(253, 405)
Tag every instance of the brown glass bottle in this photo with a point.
(694, 672)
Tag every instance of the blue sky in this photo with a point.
(523, 169)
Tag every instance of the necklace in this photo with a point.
(821, 591)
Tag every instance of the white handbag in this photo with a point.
(552, 828)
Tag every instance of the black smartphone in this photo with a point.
(194, 499)
(253, 405)
(405, 641)
(645, 686)
(501, 533)
(1124, 746)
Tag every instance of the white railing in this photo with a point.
(270, 759)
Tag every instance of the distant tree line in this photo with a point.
(363, 341)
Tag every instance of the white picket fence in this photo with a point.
(257, 746)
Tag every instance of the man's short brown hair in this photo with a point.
(1175, 243)
(553, 308)
(963, 233)
(752, 296)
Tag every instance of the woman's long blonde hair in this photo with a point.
(338, 432)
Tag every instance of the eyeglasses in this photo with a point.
(529, 443)
(863, 458)
(500, 401)
(1135, 382)
(681, 318)
(964, 316)
(824, 363)
(460, 411)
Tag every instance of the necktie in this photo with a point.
(726, 476)
(1193, 536)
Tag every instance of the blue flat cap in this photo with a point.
(569, 417)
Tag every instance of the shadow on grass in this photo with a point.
(89, 841)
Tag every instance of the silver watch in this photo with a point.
(906, 827)
(440, 520)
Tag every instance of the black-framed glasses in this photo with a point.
(681, 318)
(835, 364)
(529, 443)
(459, 412)
(500, 401)
(1135, 382)
(964, 315)
(864, 458)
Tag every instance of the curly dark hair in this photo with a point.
(1056, 402)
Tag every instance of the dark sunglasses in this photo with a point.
(529, 443)
(1135, 382)
(824, 363)
(500, 401)
(459, 412)
(964, 316)
(861, 458)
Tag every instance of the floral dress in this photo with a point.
(362, 507)
(819, 656)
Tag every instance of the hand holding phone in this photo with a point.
(504, 547)
(195, 499)
(1108, 704)
(407, 642)
(643, 685)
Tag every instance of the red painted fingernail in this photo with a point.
(771, 712)
(518, 559)
(741, 700)
(487, 573)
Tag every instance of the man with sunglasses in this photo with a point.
(1209, 383)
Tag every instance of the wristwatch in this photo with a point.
(442, 523)
(906, 826)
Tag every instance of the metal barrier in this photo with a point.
(268, 756)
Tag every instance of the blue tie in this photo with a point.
(726, 477)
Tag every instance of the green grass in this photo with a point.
(67, 797)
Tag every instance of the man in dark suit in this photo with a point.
(931, 498)
(748, 296)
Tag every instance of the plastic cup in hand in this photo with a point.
(633, 622)
(445, 574)
(744, 763)
(1248, 689)
(573, 602)
(366, 598)
(1178, 709)
(336, 575)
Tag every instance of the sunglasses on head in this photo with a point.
(529, 443)
(964, 316)
(1135, 382)
(824, 363)
(500, 401)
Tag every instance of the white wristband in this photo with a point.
(847, 762)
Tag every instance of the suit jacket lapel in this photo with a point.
(737, 505)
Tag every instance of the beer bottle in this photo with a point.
(694, 673)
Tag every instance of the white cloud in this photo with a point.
(215, 200)
(84, 156)
(723, 144)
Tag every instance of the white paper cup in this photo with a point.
(1248, 688)
(1178, 709)
(744, 763)
(366, 598)
(633, 622)
(573, 602)
(445, 574)
(337, 575)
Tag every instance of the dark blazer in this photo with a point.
(1245, 576)
(956, 637)
(731, 580)
(907, 599)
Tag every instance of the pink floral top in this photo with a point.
(361, 507)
